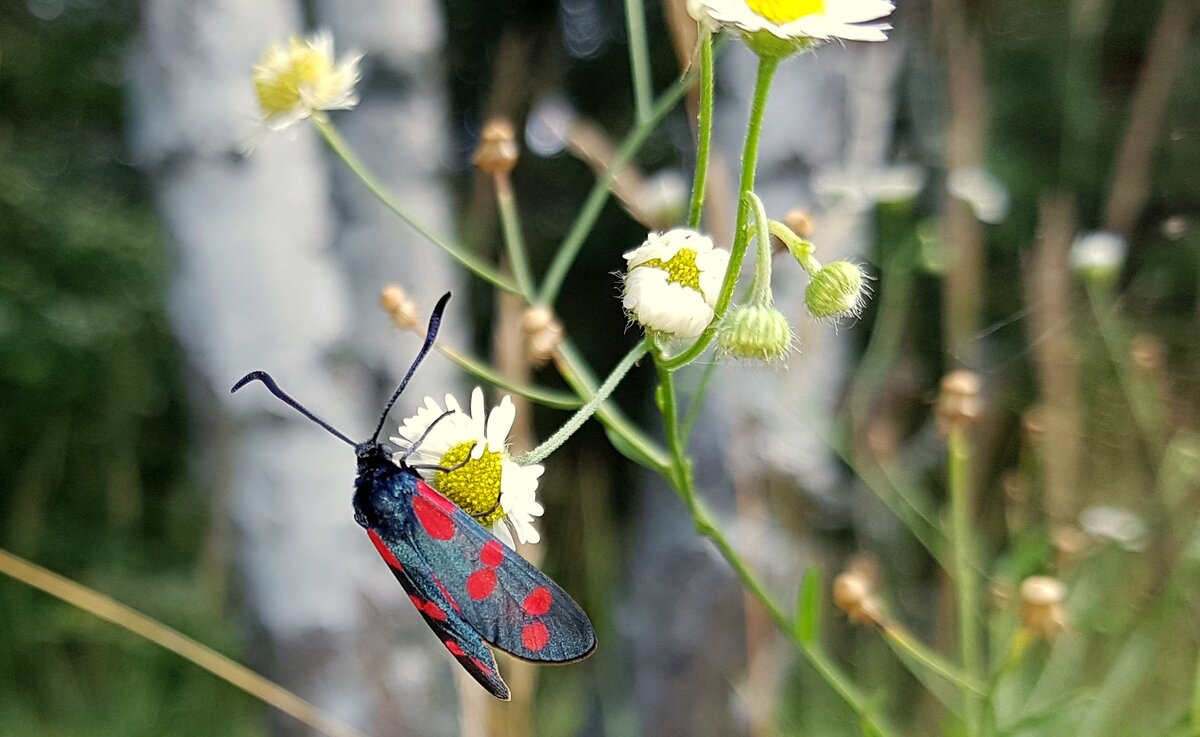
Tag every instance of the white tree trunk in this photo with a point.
(259, 284)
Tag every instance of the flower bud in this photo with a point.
(1042, 612)
(758, 332)
(838, 289)
(497, 152)
(1098, 256)
(854, 592)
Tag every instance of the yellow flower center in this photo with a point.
(282, 76)
(681, 269)
(475, 487)
(786, 11)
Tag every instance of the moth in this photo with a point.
(470, 588)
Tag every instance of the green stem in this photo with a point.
(959, 481)
(586, 411)
(473, 264)
(544, 397)
(704, 128)
(638, 447)
(681, 476)
(510, 224)
(903, 641)
(760, 286)
(741, 237)
(639, 58)
(573, 242)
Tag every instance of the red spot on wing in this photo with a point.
(481, 583)
(388, 556)
(434, 611)
(454, 648)
(492, 554)
(482, 666)
(417, 601)
(535, 636)
(538, 602)
(433, 518)
(427, 492)
(442, 587)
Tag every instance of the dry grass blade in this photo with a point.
(99, 605)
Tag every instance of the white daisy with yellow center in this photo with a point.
(482, 478)
(798, 20)
(672, 282)
(299, 78)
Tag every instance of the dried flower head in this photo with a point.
(959, 404)
(300, 78)
(402, 310)
(1042, 612)
(543, 334)
(854, 594)
(497, 152)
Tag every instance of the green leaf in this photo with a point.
(808, 606)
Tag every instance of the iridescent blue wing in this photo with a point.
(512, 605)
(441, 612)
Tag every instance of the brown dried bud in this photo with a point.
(497, 152)
(1042, 612)
(1147, 353)
(854, 592)
(543, 334)
(402, 310)
(799, 222)
(959, 404)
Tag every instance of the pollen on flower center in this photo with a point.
(681, 269)
(475, 487)
(786, 11)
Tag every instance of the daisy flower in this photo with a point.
(486, 482)
(295, 80)
(801, 22)
(672, 282)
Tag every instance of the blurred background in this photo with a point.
(969, 162)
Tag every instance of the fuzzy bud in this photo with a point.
(497, 152)
(959, 405)
(402, 310)
(543, 334)
(757, 332)
(1042, 611)
(838, 289)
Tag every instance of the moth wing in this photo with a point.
(441, 612)
(510, 603)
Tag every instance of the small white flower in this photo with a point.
(798, 20)
(489, 485)
(987, 195)
(1116, 525)
(1098, 254)
(295, 80)
(672, 282)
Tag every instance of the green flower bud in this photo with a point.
(757, 332)
(838, 289)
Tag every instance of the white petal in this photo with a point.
(478, 418)
(500, 422)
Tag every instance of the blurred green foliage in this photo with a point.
(94, 439)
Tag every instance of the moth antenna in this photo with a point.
(435, 321)
(280, 394)
(412, 447)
